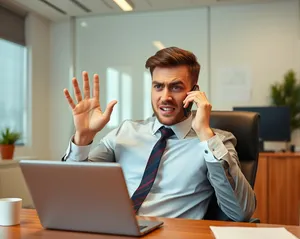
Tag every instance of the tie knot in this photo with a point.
(166, 132)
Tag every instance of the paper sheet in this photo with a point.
(234, 84)
(251, 233)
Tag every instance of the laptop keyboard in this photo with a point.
(142, 227)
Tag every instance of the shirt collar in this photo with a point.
(181, 129)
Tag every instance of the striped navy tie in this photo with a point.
(151, 169)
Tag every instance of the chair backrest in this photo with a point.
(245, 127)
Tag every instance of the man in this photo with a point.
(170, 171)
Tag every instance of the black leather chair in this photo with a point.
(244, 126)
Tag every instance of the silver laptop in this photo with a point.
(83, 196)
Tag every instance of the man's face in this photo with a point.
(169, 88)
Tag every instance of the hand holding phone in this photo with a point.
(201, 121)
(187, 110)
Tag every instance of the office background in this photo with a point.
(260, 41)
(242, 47)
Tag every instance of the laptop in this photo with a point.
(83, 196)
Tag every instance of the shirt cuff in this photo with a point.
(77, 153)
(215, 148)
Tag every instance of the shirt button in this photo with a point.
(205, 151)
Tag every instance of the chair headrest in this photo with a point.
(244, 126)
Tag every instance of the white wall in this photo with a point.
(260, 38)
(60, 116)
(37, 38)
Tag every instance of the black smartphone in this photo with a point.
(187, 110)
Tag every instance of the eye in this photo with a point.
(176, 88)
(157, 86)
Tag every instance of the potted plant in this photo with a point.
(8, 139)
(287, 93)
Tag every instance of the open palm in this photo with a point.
(87, 114)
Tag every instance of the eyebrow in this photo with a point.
(176, 82)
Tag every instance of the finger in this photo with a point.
(109, 108)
(204, 95)
(96, 86)
(187, 100)
(205, 98)
(201, 100)
(198, 94)
(196, 97)
(76, 90)
(86, 85)
(190, 96)
(69, 99)
(193, 92)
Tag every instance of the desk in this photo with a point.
(173, 228)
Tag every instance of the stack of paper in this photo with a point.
(251, 233)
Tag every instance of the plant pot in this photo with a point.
(7, 151)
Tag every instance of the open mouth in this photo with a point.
(167, 110)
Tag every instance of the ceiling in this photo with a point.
(59, 10)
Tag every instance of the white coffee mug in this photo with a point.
(10, 211)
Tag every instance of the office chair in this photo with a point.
(244, 126)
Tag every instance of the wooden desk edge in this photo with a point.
(189, 228)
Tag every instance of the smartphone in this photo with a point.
(187, 110)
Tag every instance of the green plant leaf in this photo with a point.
(287, 93)
(9, 137)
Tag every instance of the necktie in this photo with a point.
(151, 169)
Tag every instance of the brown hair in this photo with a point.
(174, 56)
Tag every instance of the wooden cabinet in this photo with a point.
(261, 190)
(277, 188)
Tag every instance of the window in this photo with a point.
(13, 83)
(119, 87)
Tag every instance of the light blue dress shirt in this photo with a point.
(189, 171)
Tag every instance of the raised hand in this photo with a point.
(87, 114)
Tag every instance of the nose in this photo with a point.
(166, 94)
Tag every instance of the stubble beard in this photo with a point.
(177, 119)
